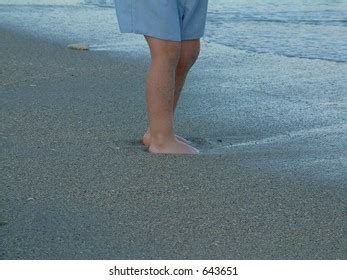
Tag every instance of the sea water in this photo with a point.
(314, 29)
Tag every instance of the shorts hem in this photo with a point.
(154, 35)
(161, 37)
(186, 38)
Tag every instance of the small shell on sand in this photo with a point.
(79, 46)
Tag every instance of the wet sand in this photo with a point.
(77, 184)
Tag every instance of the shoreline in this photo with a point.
(51, 27)
(78, 185)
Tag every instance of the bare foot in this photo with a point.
(147, 139)
(173, 146)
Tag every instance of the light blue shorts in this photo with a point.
(173, 20)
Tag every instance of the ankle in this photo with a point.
(161, 140)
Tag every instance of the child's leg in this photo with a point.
(160, 89)
(188, 55)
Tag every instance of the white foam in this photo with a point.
(340, 128)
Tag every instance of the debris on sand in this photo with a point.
(79, 46)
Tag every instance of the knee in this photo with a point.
(188, 58)
(168, 55)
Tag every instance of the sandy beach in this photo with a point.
(76, 183)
